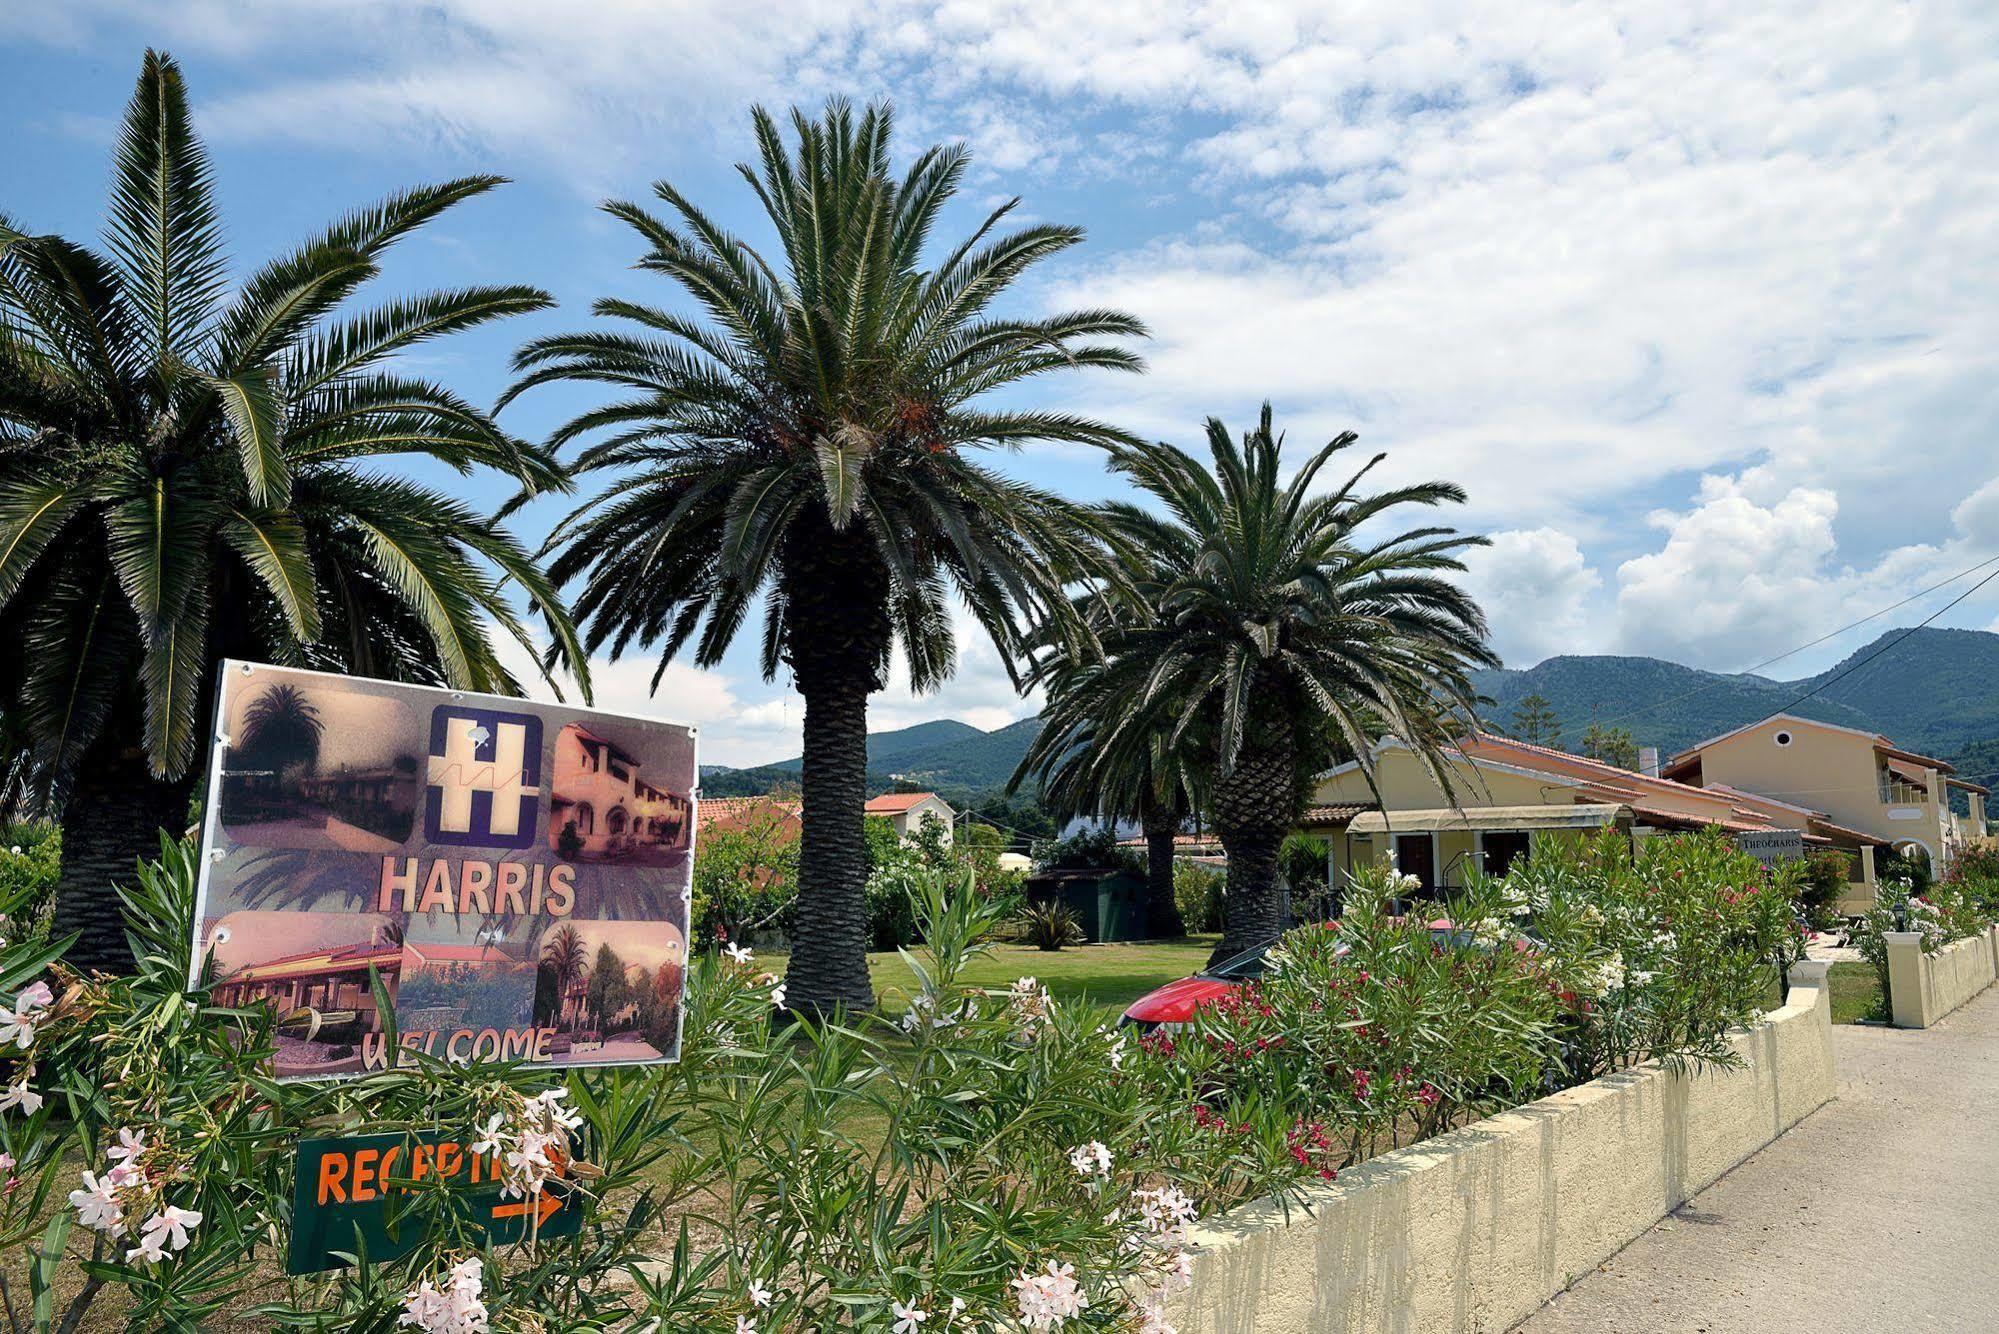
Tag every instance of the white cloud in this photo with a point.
(1574, 259)
(1538, 593)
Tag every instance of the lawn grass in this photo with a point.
(1856, 994)
(1109, 977)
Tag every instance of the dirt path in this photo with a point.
(1879, 1212)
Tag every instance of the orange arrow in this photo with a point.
(546, 1203)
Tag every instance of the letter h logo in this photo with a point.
(484, 778)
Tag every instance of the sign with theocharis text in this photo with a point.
(1772, 846)
(516, 875)
(364, 1194)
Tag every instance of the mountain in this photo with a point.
(1935, 691)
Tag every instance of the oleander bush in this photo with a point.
(989, 1160)
(1963, 902)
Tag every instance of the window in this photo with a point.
(1783, 738)
(1504, 847)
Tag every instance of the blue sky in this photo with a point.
(1701, 301)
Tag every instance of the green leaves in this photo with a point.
(181, 478)
(163, 226)
(274, 546)
(250, 399)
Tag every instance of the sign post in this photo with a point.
(1773, 846)
(361, 1195)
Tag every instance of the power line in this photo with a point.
(1792, 653)
(1885, 648)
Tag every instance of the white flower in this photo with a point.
(458, 1309)
(737, 954)
(20, 1095)
(488, 1142)
(759, 1294)
(36, 996)
(555, 1111)
(97, 1206)
(1165, 1212)
(746, 1324)
(1091, 1159)
(1046, 1300)
(907, 1318)
(173, 1223)
(131, 1143)
(17, 1026)
(777, 996)
(1116, 1053)
(150, 1250)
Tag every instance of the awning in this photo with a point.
(1913, 774)
(1584, 816)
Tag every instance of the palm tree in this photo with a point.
(564, 953)
(183, 477)
(1282, 635)
(813, 446)
(281, 728)
(1089, 765)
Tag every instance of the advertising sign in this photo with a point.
(355, 1195)
(1771, 846)
(516, 874)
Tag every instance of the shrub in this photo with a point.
(1197, 893)
(1824, 882)
(1091, 848)
(1049, 925)
(30, 862)
(745, 880)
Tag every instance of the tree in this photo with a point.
(813, 446)
(1283, 635)
(1089, 765)
(281, 728)
(1534, 720)
(189, 471)
(1611, 745)
(608, 988)
(564, 955)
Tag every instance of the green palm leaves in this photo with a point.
(1270, 623)
(182, 463)
(831, 390)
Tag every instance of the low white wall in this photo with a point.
(1474, 1230)
(1923, 988)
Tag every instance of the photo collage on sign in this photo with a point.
(514, 876)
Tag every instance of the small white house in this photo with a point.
(908, 812)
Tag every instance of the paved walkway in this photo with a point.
(1879, 1212)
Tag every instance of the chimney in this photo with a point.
(1648, 761)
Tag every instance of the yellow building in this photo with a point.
(1506, 793)
(1860, 779)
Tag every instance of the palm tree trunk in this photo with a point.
(837, 637)
(1256, 803)
(1162, 914)
(829, 949)
(111, 821)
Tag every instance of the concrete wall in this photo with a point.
(1923, 988)
(1474, 1230)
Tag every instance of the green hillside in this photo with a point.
(1936, 691)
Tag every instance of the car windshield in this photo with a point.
(1240, 967)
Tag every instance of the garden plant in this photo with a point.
(993, 1159)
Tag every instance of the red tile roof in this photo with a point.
(894, 803)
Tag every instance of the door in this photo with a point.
(1416, 854)
(1504, 847)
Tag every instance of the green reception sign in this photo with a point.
(353, 1194)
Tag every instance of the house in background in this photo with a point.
(782, 816)
(606, 805)
(1508, 793)
(1860, 779)
(910, 811)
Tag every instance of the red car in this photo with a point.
(1176, 1002)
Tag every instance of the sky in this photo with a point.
(1700, 301)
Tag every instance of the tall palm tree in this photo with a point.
(814, 445)
(282, 727)
(1283, 634)
(183, 477)
(564, 954)
(1088, 764)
